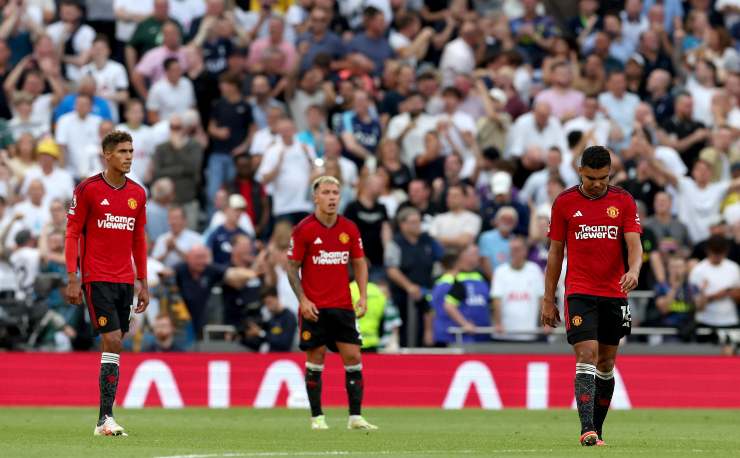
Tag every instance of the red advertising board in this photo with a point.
(488, 381)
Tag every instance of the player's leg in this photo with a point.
(312, 342)
(604, 384)
(581, 325)
(109, 365)
(314, 369)
(348, 342)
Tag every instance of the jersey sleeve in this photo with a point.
(558, 223)
(297, 247)
(631, 218)
(356, 250)
(139, 245)
(76, 218)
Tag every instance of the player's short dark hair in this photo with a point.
(115, 137)
(596, 157)
(168, 62)
(717, 244)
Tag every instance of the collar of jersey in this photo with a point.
(580, 191)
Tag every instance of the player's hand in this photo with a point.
(73, 293)
(308, 309)
(550, 314)
(143, 301)
(361, 307)
(628, 282)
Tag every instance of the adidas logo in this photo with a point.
(104, 202)
(317, 241)
(578, 213)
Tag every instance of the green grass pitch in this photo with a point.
(207, 433)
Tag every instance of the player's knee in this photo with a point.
(316, 356)
(586, 355)
(605, 364)
(112, 343)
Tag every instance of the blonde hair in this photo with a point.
(324, 179)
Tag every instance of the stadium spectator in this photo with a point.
(258, 206)
(319, 39)
(219, 240)
(458, 227)
(241, 300)
(163, 337)
(150, 68)
(717, 280)
(683, 134)
(277, 334)
(566, 103)
(286, 167)
(536, 128)
(261, 100)
(595, 122)
(76, 132)
(180, 159)
(371, 218)
(619, 105)
(172, 94)
(147, 33)
(360, 129)
(171, 247)
(534, 33)
(672, 235)
(57, 181)
(535, 187)
(660, 97)
(494, 244)
(457, 131)
(144, 140)
(410, 127)
(157, 208)
(31, 213)
(409, 261)
(517, 289)
(73, 36)
(111, 78)
(372, 41)
(674, 298)
(501, 190)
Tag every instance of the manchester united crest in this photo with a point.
(132, 204)
(344, 238)
(612, 211)
(305, 335)
(102, 321)
(577, 320)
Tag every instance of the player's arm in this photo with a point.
(359, 267)
(76, 218)
(555, 256)
(140, 259)
(307, 308)
(628, 282)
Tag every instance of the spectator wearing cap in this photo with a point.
(162, 196)
(73, 36)
(219, 241)
(75, 132)
(180, 159)
(619, 104)
(172, 94)
(458, 227)
(57, 181)
(501, 183)
(372, 42)
(318, 39)
(718, 282)
(23, 120)
(170, 247)
(536, 128)
(151, 66)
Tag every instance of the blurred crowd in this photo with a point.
(452, 126)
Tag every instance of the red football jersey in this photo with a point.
(105, 228)
(324, 253)
(593, 232)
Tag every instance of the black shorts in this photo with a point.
(334, 325)
(606, 319)
(110, 305)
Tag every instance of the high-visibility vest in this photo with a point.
(370, 323)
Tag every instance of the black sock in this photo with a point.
(585, 388)
(313, 387)
(604, 392)
(108, 384)
(353, 383)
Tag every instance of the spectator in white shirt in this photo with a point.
(32, 212)
(172, 94)
(535, 188)
(286, 170)
(457, 131)
(58, 182)
(128, 15)
(23, 120)
(620, 105)
(536, 128)
(702, 85)
(458, 56)
(410, 127)
(458, 227)
(111, 79)
(517, 289)
(593, 120)
(71, 30)
(409, 40)
(75, 132)
(171, 247)
(268, 136)
(718, 281)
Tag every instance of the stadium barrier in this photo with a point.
(443, 381)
